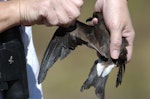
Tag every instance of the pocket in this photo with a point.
(11, 60)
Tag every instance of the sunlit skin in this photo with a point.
(46, 12)
(118, 21)
(65, 12)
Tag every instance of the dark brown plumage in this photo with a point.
(96, 37)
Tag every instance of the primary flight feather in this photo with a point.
(96, 37)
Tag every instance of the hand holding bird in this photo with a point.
(96, 37)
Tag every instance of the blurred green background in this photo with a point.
(66, 77)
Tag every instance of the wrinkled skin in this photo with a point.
(118, 21)
(45, 12)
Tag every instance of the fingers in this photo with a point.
(78, 3)
(95, 21)
(72, 11)
(50, 12)
(72, 8)
(98, 5)
(130, 50)
(125, 31)
(67, 11)
(129, 35)
(117, 19)
(116, 41)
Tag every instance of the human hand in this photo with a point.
(49, 12)
(117, 20)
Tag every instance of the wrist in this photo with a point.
(14, 12)
(22, 12)
(29, 12)
(9, 14)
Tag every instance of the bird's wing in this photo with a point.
(60, 46)
(51, 55)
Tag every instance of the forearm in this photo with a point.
(47, 12)
(9, 14)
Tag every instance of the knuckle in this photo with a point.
(76, 14)
(115, 25)
(54, 22)
(64, 20)
(79, 3)
(116, 45)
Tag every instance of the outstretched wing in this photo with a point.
(60, 46)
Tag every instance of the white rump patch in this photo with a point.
(108, 70)
(99, 68)
(102, 70)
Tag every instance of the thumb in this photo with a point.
(115, 44)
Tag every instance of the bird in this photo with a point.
(102, 67)
(96, 37)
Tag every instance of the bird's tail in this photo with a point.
(95, 80)
(100, 87)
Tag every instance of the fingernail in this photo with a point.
(115, 54)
